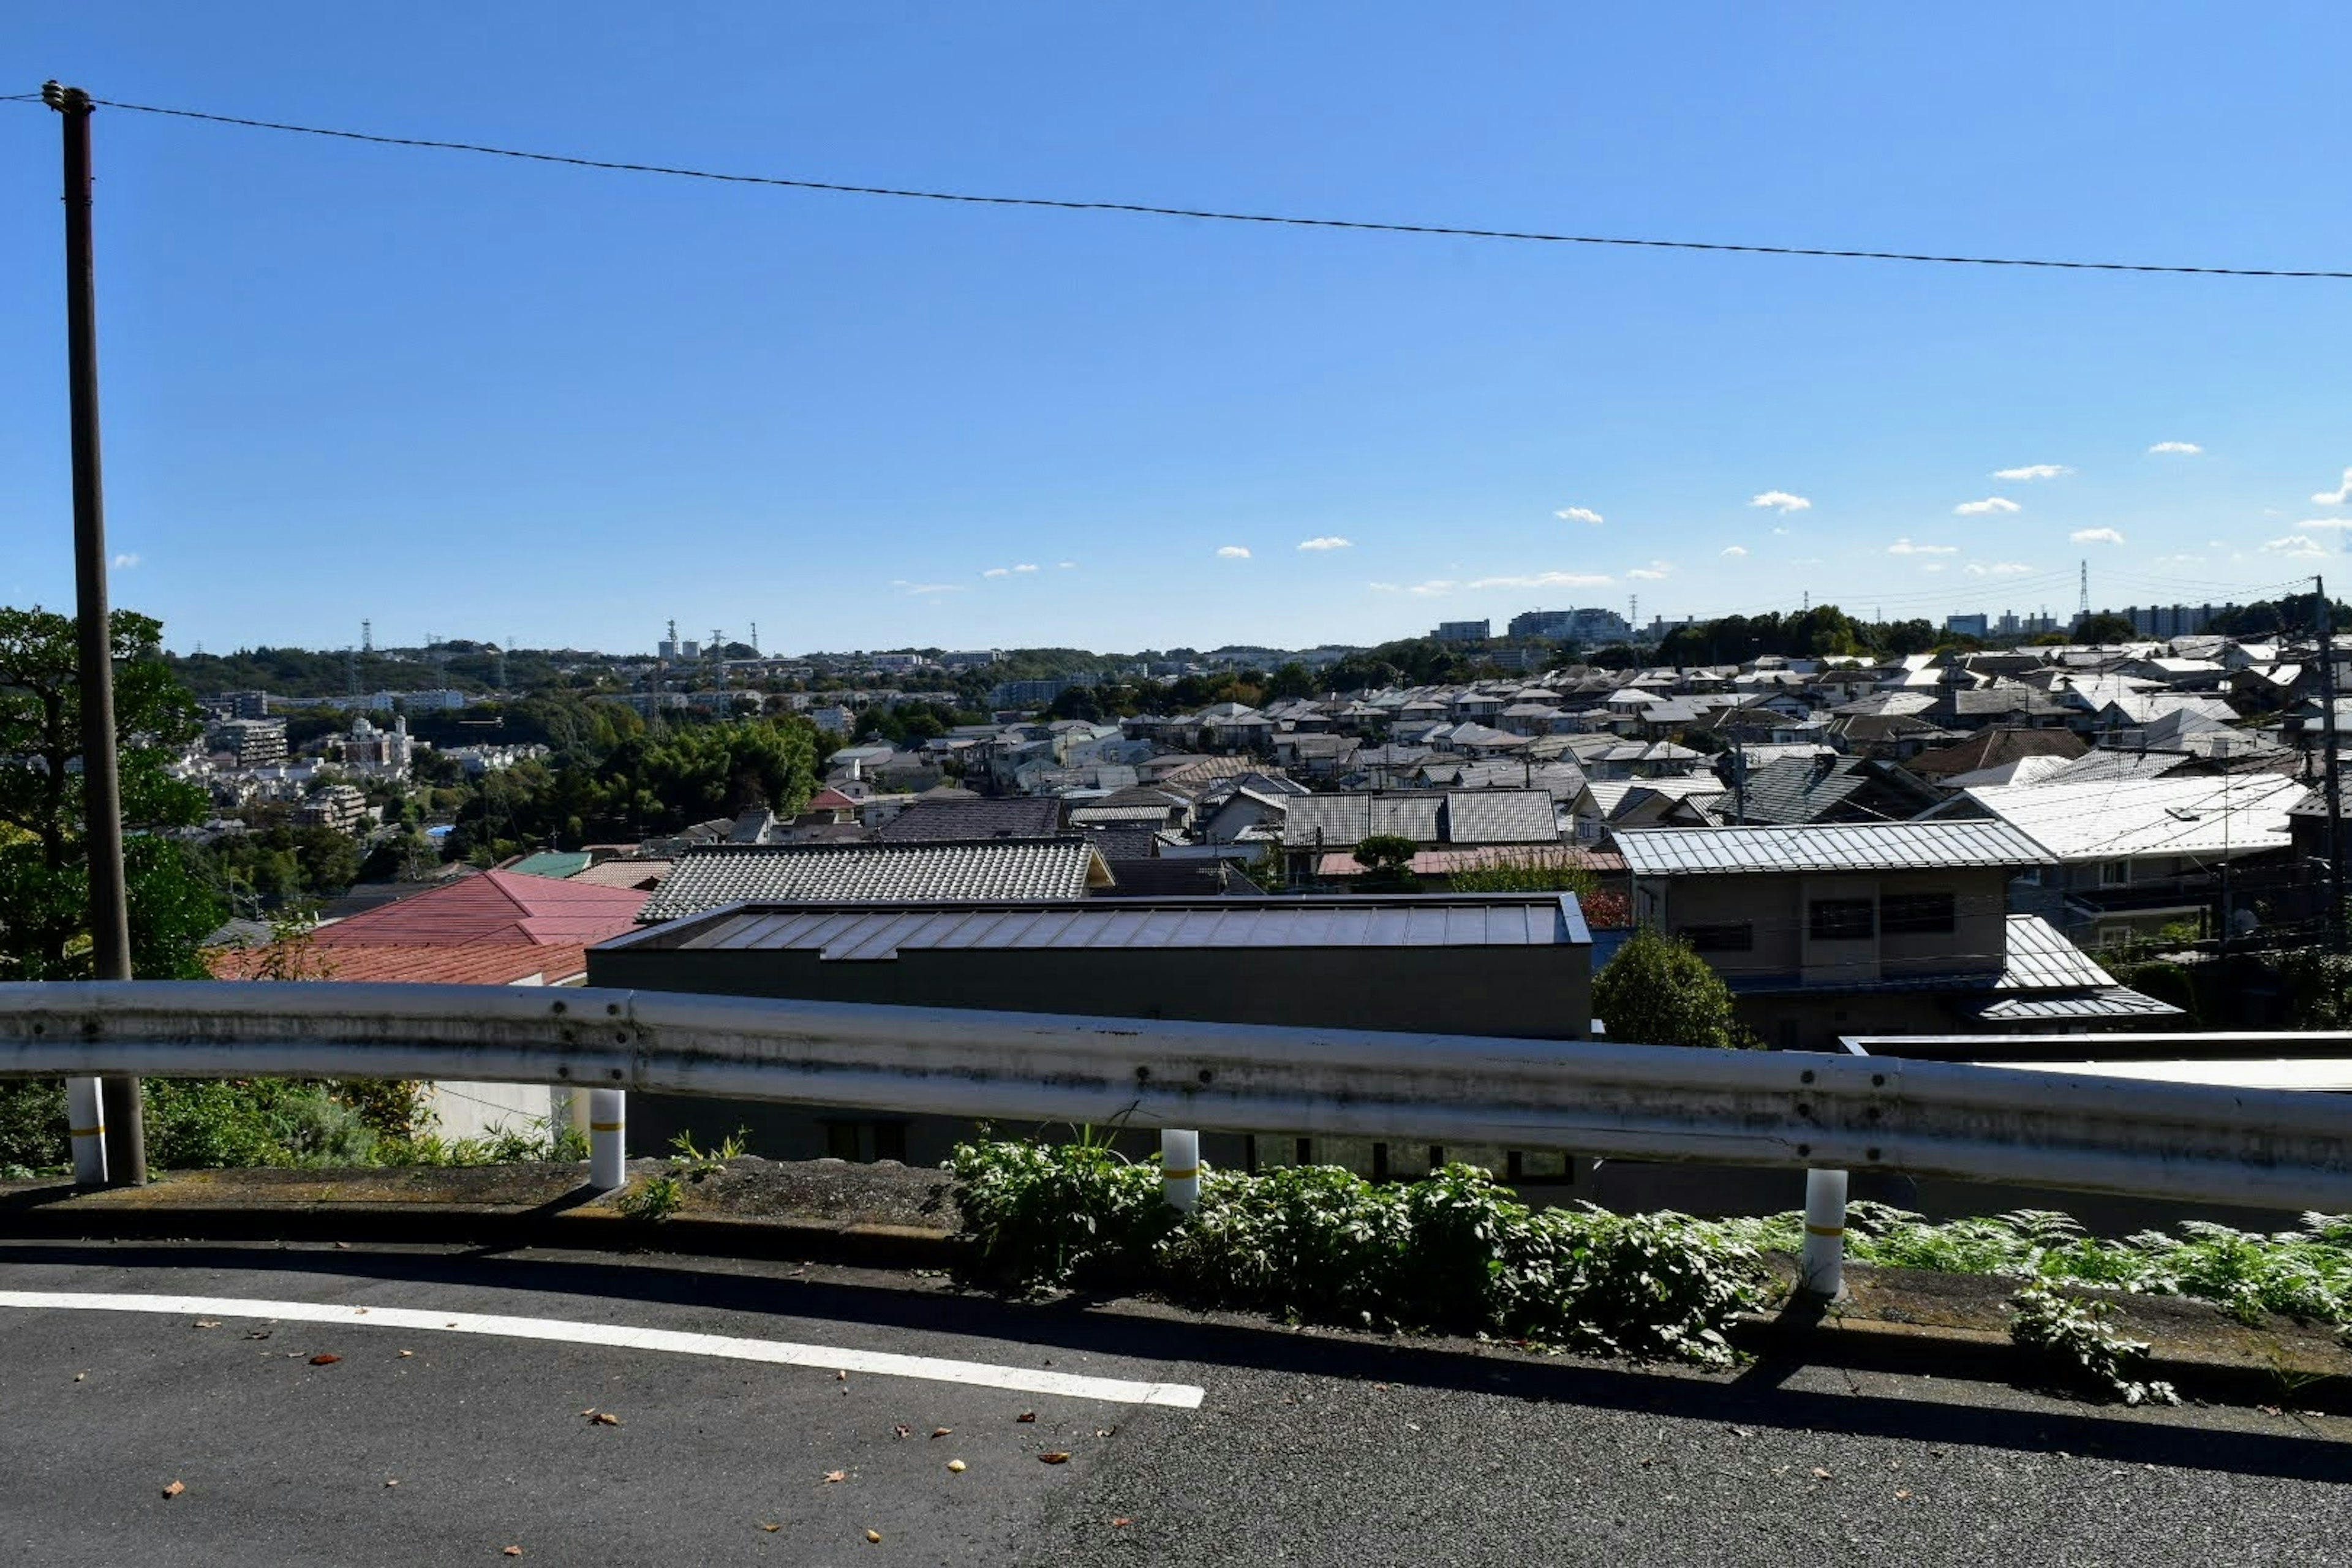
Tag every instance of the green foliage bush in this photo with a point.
(2080, 1341)
(2304, 1273)
(1656, 991)
(1452, 1253)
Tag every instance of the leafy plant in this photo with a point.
(2079, 1337)
(1657, 991)
(653, 1200)
(1450, 1253)
(696, 1165)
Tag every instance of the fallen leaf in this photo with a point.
(770, 1529)
(405, 1354)
(359, 1311)
(81, 1377)
(874, 1537)
(510, 1552)
(1026, 1415)
(941, 1431)
(257, 1334)
(605, 1418)
(1120, 1524)
(841, 1377)
(1056, 1456)
(1104, 1431)
(392, 1483)
(175, 1489)
(325, 1358)
(956, 1466)
(833, 1476)
(2265, 1409)
(207, 1323)
(1902, 1493)
(590, 1411)
(1820, 1474)
(346, 1246)
(902, 1430)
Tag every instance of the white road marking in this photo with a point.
(785, 1353)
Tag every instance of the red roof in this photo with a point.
(483, 964)
(830, 800)
(495, 907)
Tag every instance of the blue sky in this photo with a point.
(482, 398)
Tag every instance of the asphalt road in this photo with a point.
(1305, 1448)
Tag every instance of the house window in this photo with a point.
(1739, 938)
(1843, 920)
(2115, 873)
(1915, 915)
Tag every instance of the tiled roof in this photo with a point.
(1340, 863)
(1022, 868)
(1501, 817)
(1854, 846)
(494, 907)
(1991, 748)
(933, 820)
(1340, 820)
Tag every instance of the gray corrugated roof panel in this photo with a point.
(707, 877)
(2108, 1001)
(2042, 958)
(1337, 821)
(1855, 847)
(883, 931)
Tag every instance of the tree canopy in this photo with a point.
(1657, 991)
(44, 852)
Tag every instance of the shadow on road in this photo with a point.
(1757, 1396)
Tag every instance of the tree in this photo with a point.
(45, 858)
(1387, 859)
(1657, 991)
(1292, 680)
(2106, 627)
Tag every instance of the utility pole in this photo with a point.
(110, 903)
(2334, 776)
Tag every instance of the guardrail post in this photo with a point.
(1180, 1166)
(608, 1138)
(86, 1120)
(1823, 1266)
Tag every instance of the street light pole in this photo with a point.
(110, 905)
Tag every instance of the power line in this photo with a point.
(1151, 210)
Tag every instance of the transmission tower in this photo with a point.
(2083, 590)
(367, 636)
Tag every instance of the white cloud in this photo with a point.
(2328, 523)
(1546, 580)
(1904, 547)
(1234, 552)
(1735, 550)
(127, 560)
(998, 572)
(1779, 533)
(2033, 472)
(1327, 541)
(2295, 547)
(1780, 501)
(2095, 536)
(1583, 514)
(2181, 561)
(1026, 566)
(1990, 504)
(2185, 449)
(1067, 565)
(919, 588)
(2336, 497)
(1935, 566)
(1436, 587)
(1997, 569)
(1655, 572)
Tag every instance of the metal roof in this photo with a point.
(707, 877)
(2042, 958)
(2238, 814)
(883, 932)
(1852, 846)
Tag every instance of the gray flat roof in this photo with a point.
(1854, 846)
(872, 931)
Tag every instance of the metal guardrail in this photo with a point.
(2267, 1148)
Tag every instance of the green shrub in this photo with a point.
(33, 1123)
(2080, 1341)
(1655, 991)
(1452, 1253)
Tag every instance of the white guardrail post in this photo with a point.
(608, 1138)
(1822, 1265)
(1179, 1167)
(86, 1120)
